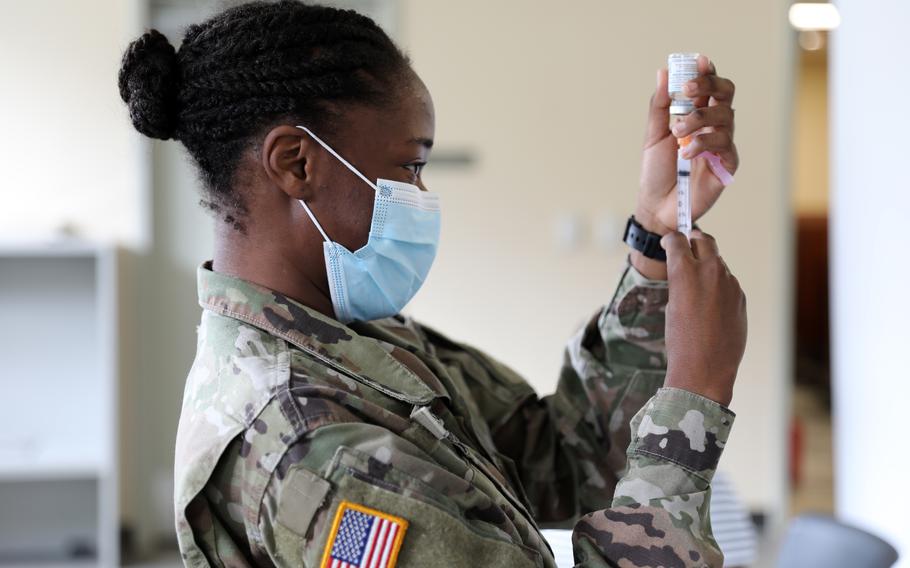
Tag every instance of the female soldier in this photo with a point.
(320, 428)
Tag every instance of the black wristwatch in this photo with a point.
(643, 240)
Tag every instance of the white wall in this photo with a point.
(68, 157)
(870, 311)
(552, 98)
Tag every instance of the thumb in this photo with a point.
(677, 247)
(659, 110)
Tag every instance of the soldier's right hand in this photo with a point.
(706, 318)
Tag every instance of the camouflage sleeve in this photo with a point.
(570, 447)
(660, 510)
(574, 449)
(433, 514)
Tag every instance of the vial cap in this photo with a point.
(681, 106)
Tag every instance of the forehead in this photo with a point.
(408, 115)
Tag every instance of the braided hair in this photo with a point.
(246, 69)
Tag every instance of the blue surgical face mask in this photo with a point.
(380, 278)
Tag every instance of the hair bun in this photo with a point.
(149, 83)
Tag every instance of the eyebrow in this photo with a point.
(425, 142)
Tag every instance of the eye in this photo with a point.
(416, 168)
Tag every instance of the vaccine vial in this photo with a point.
(683, 67)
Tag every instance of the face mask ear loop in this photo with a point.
(315, 222)
(337, 155)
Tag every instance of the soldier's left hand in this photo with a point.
(711, 126)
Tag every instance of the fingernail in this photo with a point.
(690, 87)
(677, 130)
(658, 77)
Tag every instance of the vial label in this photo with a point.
(683, 67)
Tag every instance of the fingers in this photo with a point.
(719, 142)
(704, 246)
(708, 89)
(712, 123)
(717, 117)
(658, 110)
(713, 87)
(677, 248)
(705, 249)
(705, 66)
(699, 246)
(712, 95)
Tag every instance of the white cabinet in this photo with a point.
(58, 403)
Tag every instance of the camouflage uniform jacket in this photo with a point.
(290, 418)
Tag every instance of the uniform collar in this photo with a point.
(325, 339)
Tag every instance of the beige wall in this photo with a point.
(552, 96)
(68, 157)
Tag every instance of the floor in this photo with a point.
(165, 560)
(814, 490)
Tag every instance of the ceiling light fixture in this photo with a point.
(814, 16)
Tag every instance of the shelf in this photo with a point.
(62, 248)
(58, 478)
(50, 463)
(49, 563)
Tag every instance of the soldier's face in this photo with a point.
(389, 143)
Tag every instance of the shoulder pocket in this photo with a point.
(449, 522)
(296, 511)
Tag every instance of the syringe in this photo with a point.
(683, 191)
(683, 67)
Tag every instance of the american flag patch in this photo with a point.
(363, 538)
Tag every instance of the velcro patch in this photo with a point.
(363, 538)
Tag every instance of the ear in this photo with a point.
(287, 157)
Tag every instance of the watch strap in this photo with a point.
(644, 241)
